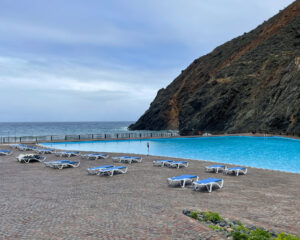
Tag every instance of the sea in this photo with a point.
(18, 129)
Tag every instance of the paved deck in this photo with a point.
(42, 203)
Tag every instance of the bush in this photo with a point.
(213, 216)
(193, 214)
(241, 228)
(239, 236)
(214, 227)
(282, 236)
(259, 234)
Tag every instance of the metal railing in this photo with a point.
(82, 137)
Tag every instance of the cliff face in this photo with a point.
(251, 83)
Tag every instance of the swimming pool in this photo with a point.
(262, 152)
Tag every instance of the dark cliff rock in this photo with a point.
(251, 83)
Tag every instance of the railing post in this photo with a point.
(78, 137)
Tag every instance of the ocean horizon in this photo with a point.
(12, 129)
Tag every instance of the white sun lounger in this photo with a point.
(94, 156)
(235, 170)
(111, 171)
(26, 158)
(209, 183)
(127, 159)
(62, 164)
(44, 151)
(5, 152)
(96, 170)
(182, 180)
(22, 147)
(66, 154)
(215, 168)
(178, 164)
(16, 145)
(162, 163)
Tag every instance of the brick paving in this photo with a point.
(43, 203)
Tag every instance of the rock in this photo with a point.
(186, 212)
(229, 230)
(252, 227)
(244, 85)
(222, 224)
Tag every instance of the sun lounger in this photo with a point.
(94, 156)
(182, 180)
(26, 158)
(62, 164)
(44, 151)
(96, 170)
(111, 171)
(236, 170)
(127, 159)
(178, 164)
(215, 168)
(209, 183)
(5, 152)
(162, 163)
(22, 147)
(16, 145)
(66, 154)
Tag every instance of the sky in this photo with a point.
(97, 60)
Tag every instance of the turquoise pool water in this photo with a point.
(262, 152)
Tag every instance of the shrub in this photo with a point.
(212, 216)
(282, 236)
(214, 227)
(241, 228)
(259, 234)
(193, 214)
(239, 236)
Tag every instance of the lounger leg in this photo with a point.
(182, 183)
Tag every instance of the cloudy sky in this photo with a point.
(97, 60)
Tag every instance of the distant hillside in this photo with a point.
(251, 83)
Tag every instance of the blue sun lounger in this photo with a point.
(66, 154)
(62, 164)
(111, 171)
(5, 152)
(235, 170)
(127, 159)
(26, 158)
(178, 164)
(161, 163)
(209, 183)
(44, 151)
(215, 168)
(96, 170)
(182, 180)
(94, 156)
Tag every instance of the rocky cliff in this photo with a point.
(251, 83)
